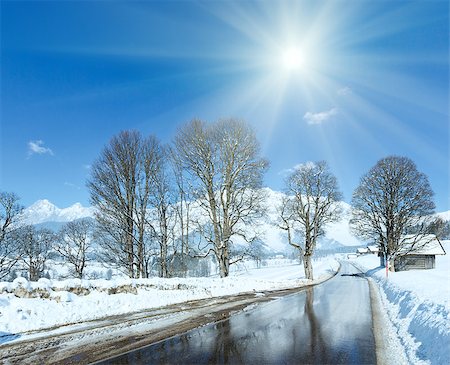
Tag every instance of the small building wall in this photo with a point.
(382, 261)
(414, 262)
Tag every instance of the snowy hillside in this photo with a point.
(444, 215)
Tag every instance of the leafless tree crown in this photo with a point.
(74, 243)
(36, 245)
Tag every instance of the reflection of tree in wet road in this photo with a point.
(225, 346)
(330, 323)
(317, 342)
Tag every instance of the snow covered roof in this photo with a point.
(362, 250)
(373, 248)
(425, 245)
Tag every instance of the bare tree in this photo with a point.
(223, 160)
(10, 210)
(36, 245)
(112, 187)
(392, 206)
(311, 203)
(162, 217)
(183, 210)
(150, 164)
(120, 187)
(74, 243)
(109, 233)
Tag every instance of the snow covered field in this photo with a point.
(418, 305)
(47, 303)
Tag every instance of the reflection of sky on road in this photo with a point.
(330, 323)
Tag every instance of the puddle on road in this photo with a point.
(358, 275)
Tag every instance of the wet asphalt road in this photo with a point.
(327, 324)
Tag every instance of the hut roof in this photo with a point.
(424, 245)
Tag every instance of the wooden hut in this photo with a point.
(424, 257)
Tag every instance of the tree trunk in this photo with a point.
(224, 262)
(392, 264)
(308, 267)
(129, 246)
(34, 273)
(79, 271)
(140, 246)
(163, 263)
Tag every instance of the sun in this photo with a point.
(292, 59)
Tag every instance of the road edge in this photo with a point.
(377, 323)
(388, 347)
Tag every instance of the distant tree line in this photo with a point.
(165, 207)
(30, 248)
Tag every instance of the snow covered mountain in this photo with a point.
(44, 211)
(444, 215)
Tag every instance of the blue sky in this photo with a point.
(368, 79)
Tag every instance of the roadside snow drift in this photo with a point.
(418, 304)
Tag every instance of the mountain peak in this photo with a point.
(43, 211)
(41, 203)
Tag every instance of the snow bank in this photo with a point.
(27, 306)
(418, 304)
